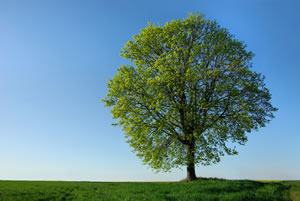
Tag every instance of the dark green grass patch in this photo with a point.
(206, 190)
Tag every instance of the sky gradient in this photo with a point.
(55, 60)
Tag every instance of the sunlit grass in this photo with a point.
(268, 181)
(206, 190)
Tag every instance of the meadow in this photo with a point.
(206, 190)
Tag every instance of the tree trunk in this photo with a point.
(191, 174)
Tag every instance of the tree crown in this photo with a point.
(190, 84)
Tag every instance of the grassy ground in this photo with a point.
(206, 190)
(294, 189)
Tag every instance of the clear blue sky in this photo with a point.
(55, 60)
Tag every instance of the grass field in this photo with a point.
(294, 189)
(206, 190)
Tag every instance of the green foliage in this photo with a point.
(206, 190)
(189, 93)
(294, 189)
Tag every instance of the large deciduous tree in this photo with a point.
(188, 94)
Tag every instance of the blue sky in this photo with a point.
(55, 60)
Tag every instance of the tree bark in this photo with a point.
(191, 174)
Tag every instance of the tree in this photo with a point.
(189, 94)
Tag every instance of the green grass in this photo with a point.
(206, 190)
(294, 189)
